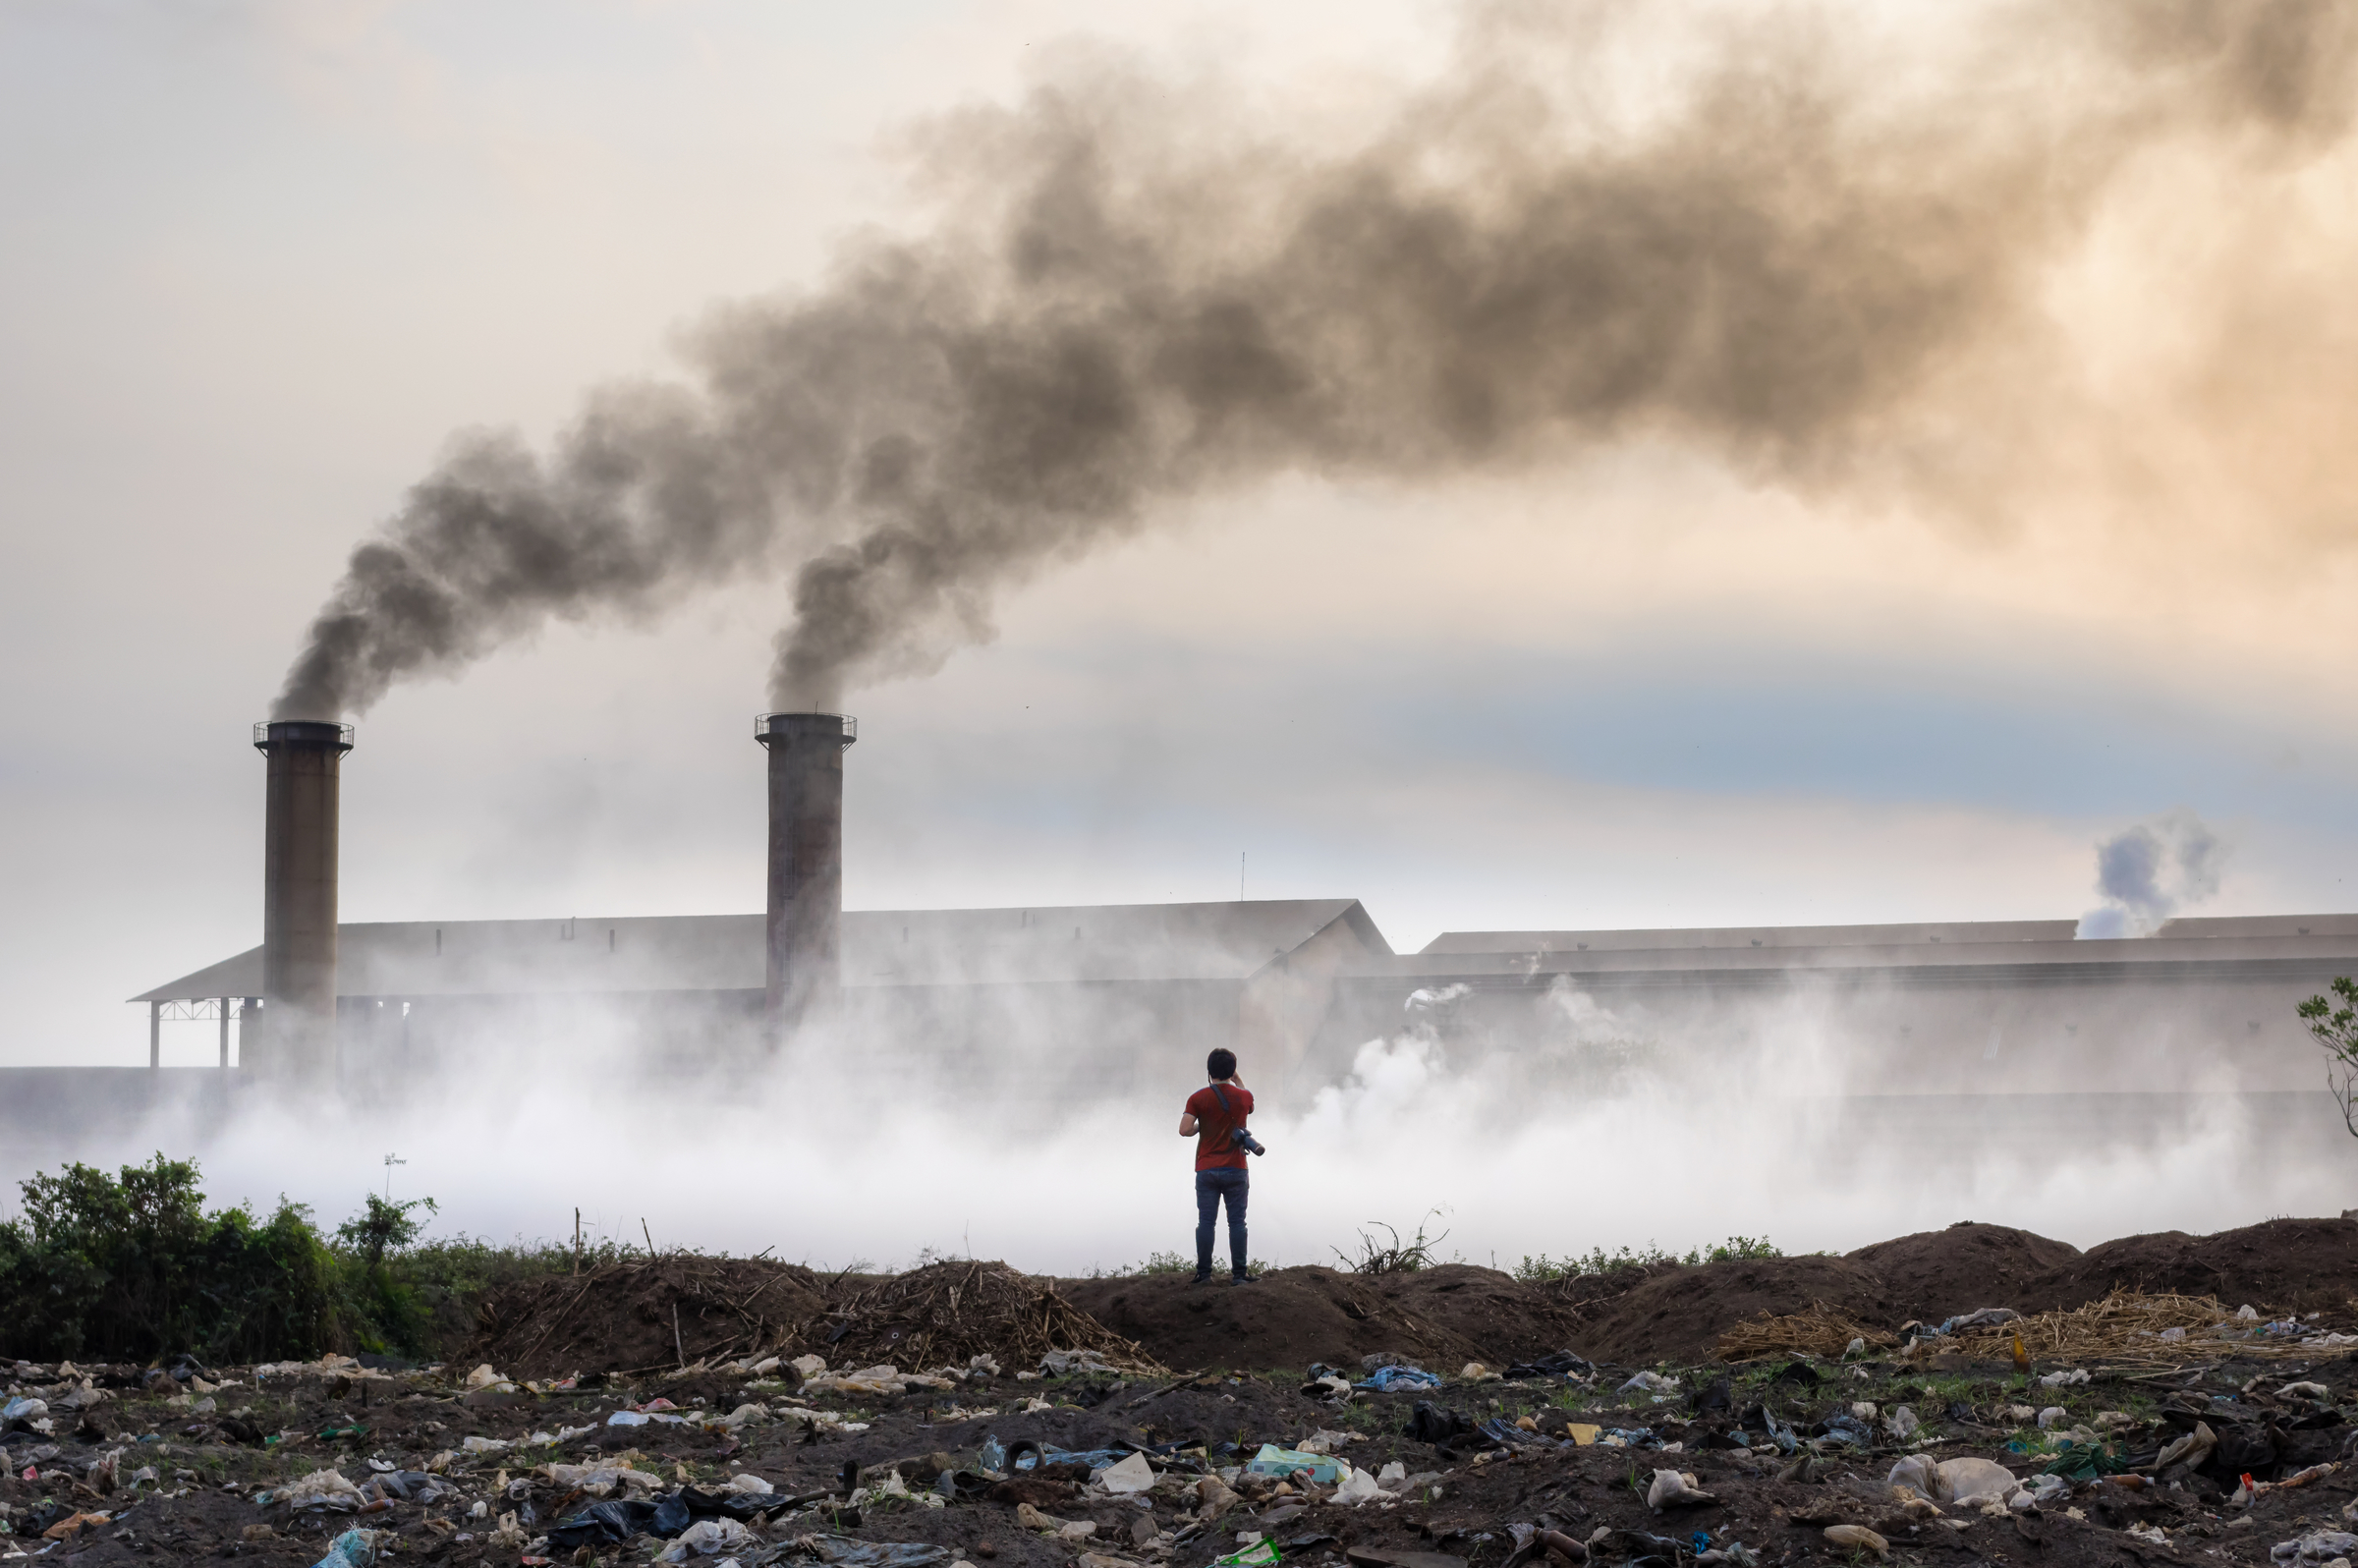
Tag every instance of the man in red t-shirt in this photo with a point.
(1214, 1115)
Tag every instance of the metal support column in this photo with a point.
(225, 1032)
(155, 1035)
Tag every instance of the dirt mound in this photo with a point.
(946, 1313)
(1679, 1316)
(1935, 1274)
(664, 1313)
(2289, 1264)
(1440, 1318)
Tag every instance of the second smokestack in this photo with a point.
(804, 970)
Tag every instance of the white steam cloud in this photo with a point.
(1572, 1124)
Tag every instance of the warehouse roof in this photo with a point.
(1077, 944)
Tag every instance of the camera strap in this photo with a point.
(1234, 1125)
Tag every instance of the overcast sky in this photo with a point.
(263, 261)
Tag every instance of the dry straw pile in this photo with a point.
(2126, 1326)
(945, 1314)
(1818, 1332)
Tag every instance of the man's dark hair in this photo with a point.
(1221, 1063)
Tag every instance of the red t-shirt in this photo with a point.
(1213, 1150)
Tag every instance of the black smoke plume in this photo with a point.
(1792, 256)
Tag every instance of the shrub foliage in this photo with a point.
(133, 1268)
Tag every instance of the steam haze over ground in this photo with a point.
(2007, 506)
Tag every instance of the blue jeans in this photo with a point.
(1210, 1187)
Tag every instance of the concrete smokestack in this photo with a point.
(805, 861)
(297, 1039)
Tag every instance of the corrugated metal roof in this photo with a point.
(1105, 942)
(1989, 942)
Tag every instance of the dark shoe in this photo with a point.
(1200, 1279)
(1245, 1280)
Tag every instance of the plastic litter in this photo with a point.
(626, 1418)
(1671, 1489)
(1257, 1556)
(323, 1488)
(1984, 1317)
(1562, 1364)
(1649, 1383)
(1272, 1460)
(2047, 1488)
(1062, 1363)
(355, 1549)
(1902, 1423)
(1846, 1429)
(2052, 1417)
(1383, 1379)
(708, 1537)
(1358, 1488)
(1127, 1477)
(838, 1552)
(2320, 1547)
(1857, 1537)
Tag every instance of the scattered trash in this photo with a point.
(837, 1552)
(1902, 1423)
(1857, 1537)
(1475, 1371)
(1383, 1379)
(1562, 1364)
(708, 1537)
(1856, 1347)
(1129, 1477)
(2047, 1488)
(323, 1488)
(2052, 1417)
(1673, 1489)
(1358, 1486)
(1276, 1461)
(1257, 1556)
(1649, 1383)
(2064, 1379)
(2322, 1548)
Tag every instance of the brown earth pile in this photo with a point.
(1937, 1274)
(1679, 1316)
(1440, 1318)
(620, 1317)
(2286, 1265)
(668, 1312)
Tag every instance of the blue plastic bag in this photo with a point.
(1386, 1379)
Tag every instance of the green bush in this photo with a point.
(131, 1267)
(1600, 1262)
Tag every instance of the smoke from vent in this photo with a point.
(2148, 872)
(1801, 254)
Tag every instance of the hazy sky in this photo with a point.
(263, 261)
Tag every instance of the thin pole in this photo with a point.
(155, 1035)
(225, 1034)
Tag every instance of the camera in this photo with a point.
(1246, 1141)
